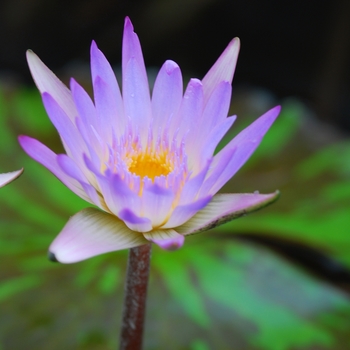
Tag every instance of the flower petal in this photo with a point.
(134, 222)
(225, 207)
(92, 232)
(238, 151)
(47, 158)
(156, 203)
(136, 96)
(100, 67)
(167, 94)
(166, 239)
(183, 213)
(6, 178)
(223, 69)
(46, 81)
(72, 170)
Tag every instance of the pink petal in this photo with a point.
(166, 239)
(48, 159)
(223, 69)
(224, 208)
(6, 178)
(92, 232)
(46, 81)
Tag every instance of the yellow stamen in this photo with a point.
(150, 165)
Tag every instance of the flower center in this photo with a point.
(151, 165)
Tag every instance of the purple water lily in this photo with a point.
(6, 178)
(147, 162)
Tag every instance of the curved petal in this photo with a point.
(92, 232)
(224, 208)
(166, 239)
(69, 134)
(223, 69)
(134, 222)
(46, 81)
(244, 144)
(100, 67)
(48, 159)
(6, 178)
(167, 94)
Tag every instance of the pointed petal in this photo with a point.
(166, 239)
(167, 94)
(6, 178)
(224, 208)
(47, 158)
(223, 69)
(244, 144)
(100, 67)
(46, 81)
(92, 232)
(136, 96)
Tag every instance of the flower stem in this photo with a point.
(135, 297)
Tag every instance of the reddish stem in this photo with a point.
(135, 298)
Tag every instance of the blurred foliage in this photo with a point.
(218, 292)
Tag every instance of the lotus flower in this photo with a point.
(8, 177)
(147, 162)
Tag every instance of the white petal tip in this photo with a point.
(6, 178)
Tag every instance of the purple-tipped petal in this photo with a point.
(6, 178)
(166, 239)
(167, 94)
(46, 81)
(183, 213)
(48, 159)
(100, 67)
(224, 208)
(69, 133)
(223, 69)
(72, 170)
(137, 103)
(92, 232)
(134, 222)
(244, 144)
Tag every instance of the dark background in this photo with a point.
(292, 48)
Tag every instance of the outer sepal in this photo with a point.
(224, 208)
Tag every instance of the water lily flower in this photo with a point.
(146, 161)
(6, 178)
